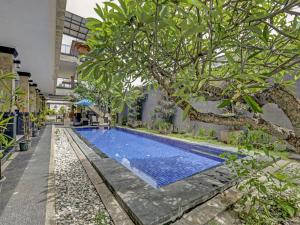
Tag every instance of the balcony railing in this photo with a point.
(66, 83)
(65, 86)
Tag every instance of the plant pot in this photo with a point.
(24, 145)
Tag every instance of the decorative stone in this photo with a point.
(77, 201)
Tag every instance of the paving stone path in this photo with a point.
(77, 201)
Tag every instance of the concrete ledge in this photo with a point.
(150, 206)
(50, 206)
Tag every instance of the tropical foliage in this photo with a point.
(89, 88)
(238, 52)
(164, 113)
(6, 101)
(134, 117)
(270, 187)
(5, 109)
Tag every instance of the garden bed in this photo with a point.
(77, 201)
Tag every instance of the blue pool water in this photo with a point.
(155, 162)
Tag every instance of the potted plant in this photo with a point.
(34, 125)
(25, 143)
(6, 102)
(41, 117)
(5, 141)
(20, 104)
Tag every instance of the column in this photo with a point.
(24, 88)
(23, 123)
(32, 98)
(42, 102)
(72, 82)
(7, 88)
(38, 107)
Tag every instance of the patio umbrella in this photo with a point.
(84, 102)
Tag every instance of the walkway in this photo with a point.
(23, 195)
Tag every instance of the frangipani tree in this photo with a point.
(233, 51)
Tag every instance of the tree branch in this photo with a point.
(272, 129)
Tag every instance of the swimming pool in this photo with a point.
(158, 161)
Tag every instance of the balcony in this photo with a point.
(65, 86)
(66, 50)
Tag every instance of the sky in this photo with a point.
(84, 8)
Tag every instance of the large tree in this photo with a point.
(93, 90)
(236, 51)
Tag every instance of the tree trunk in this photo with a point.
(272, 129)
(289, 104)
(277, 94)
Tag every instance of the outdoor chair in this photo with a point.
(95, 121)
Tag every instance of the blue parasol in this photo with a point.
(84, 102)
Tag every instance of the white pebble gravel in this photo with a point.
(77, 201)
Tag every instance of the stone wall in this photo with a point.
(193, 126)
(149, 105)
(271, 113)
(180, 125)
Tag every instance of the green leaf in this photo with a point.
(253, 55)
(193, 29)
(83, 65)
(118, 16)
(123, 5)
(99, 11)
(229, 58)
(252, 104)
(114, 6)
(195, 3)
(164, 11)
(288, 208)
(224, 103)
(91, 22)
(266, 33)
(279, 176)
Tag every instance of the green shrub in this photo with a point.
(202, 132)
(270, 198)
(212, 133)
